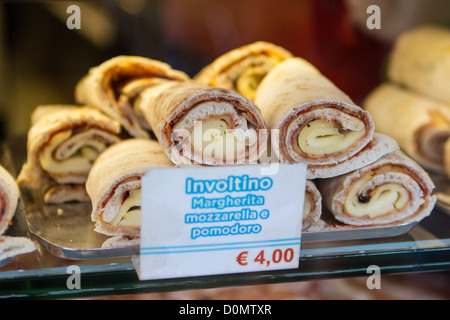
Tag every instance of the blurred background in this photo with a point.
(41, 60)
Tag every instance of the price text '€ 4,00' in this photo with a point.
(266, 257)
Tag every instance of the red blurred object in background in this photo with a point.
(320, 31)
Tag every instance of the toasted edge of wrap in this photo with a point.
(222, 65)
(97, 87)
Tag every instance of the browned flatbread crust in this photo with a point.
(102, 87)
(226, 70)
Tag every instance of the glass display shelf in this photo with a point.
(42, 274)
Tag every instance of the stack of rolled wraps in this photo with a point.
(63, 142)
(195, 124)
(242, 71)
(363, 178)
(413, 104)
(9, 197)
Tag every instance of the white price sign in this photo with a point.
(216, 220)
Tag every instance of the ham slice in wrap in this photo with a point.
(420, 61)
(242, 69)
(114, 87)
(198, 124)
(312, 207)
(420, 125)
(63, 142)
(310, 119)
(114, 186)
(392, 190)
(9, 196)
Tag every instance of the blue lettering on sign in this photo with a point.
(236, 229)
(232, 184)
(244, 214)
(227, 201)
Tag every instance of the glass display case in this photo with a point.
(48, 46)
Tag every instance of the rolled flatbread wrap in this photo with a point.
(420, 125)
(115, 85)
(420, 61)
(198, 124)
(14, 246)
(9, 196)
(309, 118)
(63, 142)
(312, 207)
(114, 185)
(392, 190)
(242, 69)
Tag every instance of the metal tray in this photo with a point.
(67, 231)
(343, 233)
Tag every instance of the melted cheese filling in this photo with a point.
(212, 138)
(321, 137)
(129, 213)
(378, 202)
(81, 162)
(249, 80)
